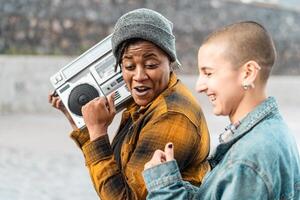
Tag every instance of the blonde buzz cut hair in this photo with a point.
(247, 40)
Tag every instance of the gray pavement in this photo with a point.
(38, 160)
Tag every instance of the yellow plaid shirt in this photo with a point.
(174, 116)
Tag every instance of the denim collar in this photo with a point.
(259, 113)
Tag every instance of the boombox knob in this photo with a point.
(81, 95)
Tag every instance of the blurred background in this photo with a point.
(38, 37)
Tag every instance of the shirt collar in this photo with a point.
(258, 114)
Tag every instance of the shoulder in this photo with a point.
(236, 180)
(269, 137)
(179, 100)
(180, 95)
(266, 152)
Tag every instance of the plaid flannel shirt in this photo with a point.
(174, 116)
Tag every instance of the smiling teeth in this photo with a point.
(141, 88)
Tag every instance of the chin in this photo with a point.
(217, 113)
(141, 102)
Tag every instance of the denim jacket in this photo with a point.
(260, 161)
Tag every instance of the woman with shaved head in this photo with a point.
(257, 157)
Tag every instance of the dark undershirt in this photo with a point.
(118, 141)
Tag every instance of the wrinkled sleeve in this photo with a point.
(111, 182)
(108, 180)
(164, 182)
(236, 182)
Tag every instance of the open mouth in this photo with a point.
(141, 90)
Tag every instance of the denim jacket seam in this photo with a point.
(263, 176)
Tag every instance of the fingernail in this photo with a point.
(170, 146)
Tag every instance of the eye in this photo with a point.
(208, 74)
(151, 66)
(128, 66)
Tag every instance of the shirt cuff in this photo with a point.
(97, 150)
(80, 137)
(162, 175)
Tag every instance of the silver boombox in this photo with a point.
(90, 75)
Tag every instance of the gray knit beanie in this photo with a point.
(148, 25)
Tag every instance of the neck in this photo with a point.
(251, 99)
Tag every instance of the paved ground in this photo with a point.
(38, 161)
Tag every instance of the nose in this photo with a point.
(201, 84)
(140, 74)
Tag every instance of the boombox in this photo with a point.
(90, 75)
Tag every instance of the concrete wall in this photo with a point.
(68, 27)
(24, 82)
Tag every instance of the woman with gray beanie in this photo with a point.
(162, 110)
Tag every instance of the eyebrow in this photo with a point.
(146, 55)
(149, 55)
(127, 56)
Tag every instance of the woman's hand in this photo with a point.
(160, 157)
(57, 103)
(98, 115)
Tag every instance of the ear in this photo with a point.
(250, 72)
